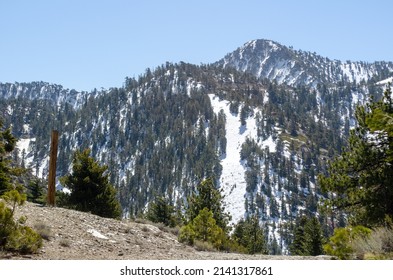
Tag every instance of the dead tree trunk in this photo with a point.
(52, 168)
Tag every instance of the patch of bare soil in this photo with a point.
(73, 235)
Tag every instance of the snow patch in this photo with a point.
(97, 234)
(269, 142)
(232, 180)
(24, 149)
(385, 82)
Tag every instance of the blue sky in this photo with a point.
(86, 44)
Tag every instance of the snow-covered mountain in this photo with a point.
(271, 60)
(45, 91)
(263, 140)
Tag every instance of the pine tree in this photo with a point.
(298, 245)
(7, 145)
(314, 237)
(90, 187)
(203, 228)
(14, 235)
(161, 211)
(36, 191)
(207, 220)
(249, 234)
(340, 243)
(308, 238)
(361, 178)
(207, 196)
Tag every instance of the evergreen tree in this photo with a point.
(7, 145)
(207, 220)
(340, 243)
(161, 211)
(14, 235)
(90, 187)
(249, 234)
(206, 229)
(298, 245)
(361, 178)
(35, 191)
(308, 238)
(314, 237)
(207, 196)
(203, 228)
(274, 248)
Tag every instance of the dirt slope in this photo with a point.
(73, 235)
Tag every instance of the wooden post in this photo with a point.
(52, 168)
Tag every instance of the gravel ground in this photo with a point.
(73, 235)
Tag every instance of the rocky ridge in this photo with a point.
(273, 61)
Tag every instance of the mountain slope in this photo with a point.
(45, 91)
(216, 123)
(268, 59)
(263, 142)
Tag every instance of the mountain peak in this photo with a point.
(262, 42)
(260, 48)
(271, 60)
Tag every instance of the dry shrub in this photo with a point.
(204, 246)
(44, 230)
(379, 245)
(64, 242)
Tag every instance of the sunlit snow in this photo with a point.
(23, 146)
(97, 234)
(232, 180)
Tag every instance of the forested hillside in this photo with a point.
(263, 139)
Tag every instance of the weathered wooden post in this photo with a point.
(52, 168)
